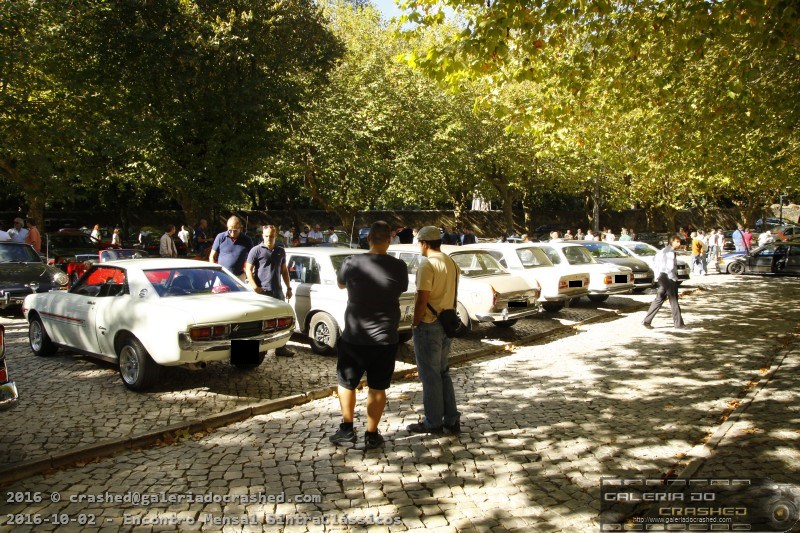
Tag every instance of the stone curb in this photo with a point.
(702, 452)
(92, 452)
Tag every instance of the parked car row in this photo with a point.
(144, 314)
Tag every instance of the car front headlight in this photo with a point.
(60, 279)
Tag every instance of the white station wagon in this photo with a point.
(559, 284)
(487, 292)
(604, 278)
(145, 313)
(318, 302)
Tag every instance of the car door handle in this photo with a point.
(89, 303)
(101, 328)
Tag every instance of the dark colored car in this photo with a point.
(763, 224)
(22, 272)
(61, 248)
(606, 253)
(8, 390)
(772, 258)
(786, 233)
(152, 244)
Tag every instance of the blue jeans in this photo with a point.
(432, 347)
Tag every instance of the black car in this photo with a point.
(61, 248)
(8, 390)
(772, 258)
(23, 272)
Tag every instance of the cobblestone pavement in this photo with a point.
(540, 426)
(70, 400)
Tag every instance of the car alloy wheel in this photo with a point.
(40, 342)
(736, 268)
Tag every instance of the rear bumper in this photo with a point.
(222, 347)
(8, 395)
(612, 290)
(508, 314)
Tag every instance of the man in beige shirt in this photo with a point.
(437, 277)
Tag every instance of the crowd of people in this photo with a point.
(23, 231)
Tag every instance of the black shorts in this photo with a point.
(377, 360)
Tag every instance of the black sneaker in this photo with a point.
(420, 427)
(373, 440)
(343, 435)
(648, 326)
(453, 429)
(283, 351)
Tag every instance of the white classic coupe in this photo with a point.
(145, 313)
(319, 303)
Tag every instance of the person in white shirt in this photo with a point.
(115, 238)
(765, 238)
(96, 235)
(315, 236)
(18, 232)
(288, 237)
(665, 268)
(332, 237)
(183, 235)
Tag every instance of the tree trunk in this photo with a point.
(527, 209)
(596, 205)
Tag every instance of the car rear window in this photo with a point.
(187, 281)
(473, 265)
(578, 255)
(533, 257)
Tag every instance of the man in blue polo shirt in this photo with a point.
(231, 247)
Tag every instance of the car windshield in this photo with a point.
(476, 264)
(114, 255)
(642, 248)
(70, 240)
(185, 281)
(578, 255)
(533, 257)
(337, 260)
(18, 253)
(603, 250)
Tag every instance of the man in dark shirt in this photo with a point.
(231, 247)
(200, 238)
(468, 237)
(374, 283)
(264, 268)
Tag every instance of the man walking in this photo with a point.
(698, 258)
(738, 239)
(374, 283)
(231, 247)
(437, 279)
(166, 246)
(665, 268)
(265, 266)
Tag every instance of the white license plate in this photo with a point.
(640, 275)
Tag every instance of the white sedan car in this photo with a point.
(319, 304)
(559, 284)
(487, 292)
(144, 313)
(604, 278)
(647, 252)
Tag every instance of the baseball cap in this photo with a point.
(429, 233)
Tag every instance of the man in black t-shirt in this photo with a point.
(374, 283)
(264, 268)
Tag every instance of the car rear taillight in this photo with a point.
(562, 284)
(586, 281)
(630, 277)
(209, 332)
(608, 280)
(275, 324)
(3, 373)
(495, 294)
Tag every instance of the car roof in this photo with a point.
(159, 263)
(324, 250)
(446, 248)
(500, 245)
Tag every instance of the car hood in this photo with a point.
(637, 265)
(229, 307)
(21, 273)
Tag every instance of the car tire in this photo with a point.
(323, 333)
(597, 297)
(464, 316)
(404, 336)
(505, 323)
(40, 342)
(136, 368)
(552, 307)
(736, 268)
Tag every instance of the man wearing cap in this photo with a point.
(437, 278)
